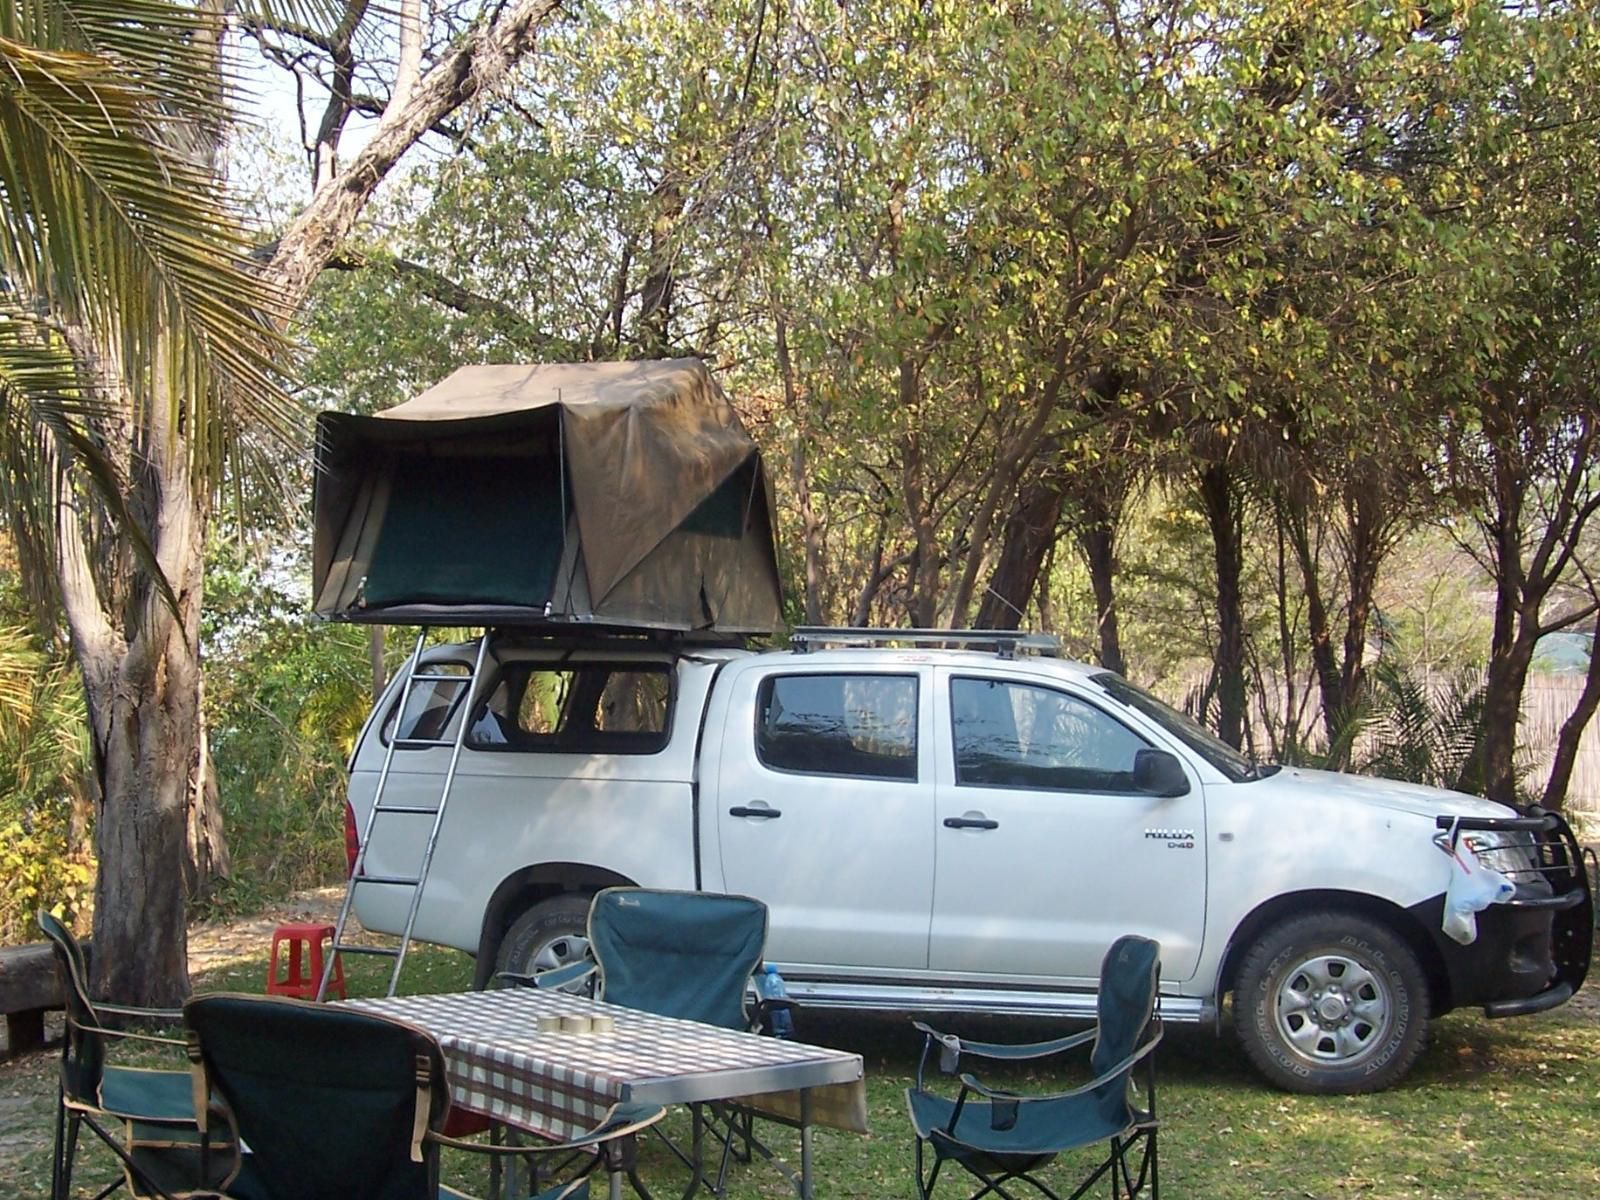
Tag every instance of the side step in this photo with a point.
(1006, 1002)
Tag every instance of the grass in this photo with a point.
(1494, 1111)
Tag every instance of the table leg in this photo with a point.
(805, 1144)
(614, 1185)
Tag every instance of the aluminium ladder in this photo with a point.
(460, 704)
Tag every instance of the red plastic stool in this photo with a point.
(303, 936)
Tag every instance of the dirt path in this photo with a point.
(221, 943)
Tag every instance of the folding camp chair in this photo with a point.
(690, 955)
(145, 1116)
(1001, 1136)
(338, 1104)
(675, 954)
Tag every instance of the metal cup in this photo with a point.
(603, 1024)
(574, 1024)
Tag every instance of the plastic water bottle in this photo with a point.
(769, 988)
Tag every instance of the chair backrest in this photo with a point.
(326, 1097)
(678, 954)
(83, 1052)
(1129, 976)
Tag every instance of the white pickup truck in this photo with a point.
(956, 830)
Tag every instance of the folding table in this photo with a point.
(502, 1065)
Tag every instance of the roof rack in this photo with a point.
(1007, 643)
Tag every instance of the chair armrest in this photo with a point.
(622, 1120)
(1000, 1050)
(173, 1016)
(1106, 1076)
(554, 978)
(130, 1035)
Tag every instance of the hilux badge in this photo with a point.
(1176, 839)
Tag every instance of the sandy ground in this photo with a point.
(220, 943)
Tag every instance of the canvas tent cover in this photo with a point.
(622, 495)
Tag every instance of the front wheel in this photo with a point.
(1330, 1002)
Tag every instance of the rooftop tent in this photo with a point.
(622, 495)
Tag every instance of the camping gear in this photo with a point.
(999, 1135)
(602, 496)
(145, 1116)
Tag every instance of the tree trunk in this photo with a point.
(1029, 533)
(142, 686)
(140, 936)
(1330, 679)
(1366, 523)
(1097, 539)
(1495, 760)
(1224, 515)
(925, 563)
(799, 478)
(208, 859)
(1572, 730)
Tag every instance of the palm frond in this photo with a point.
(1418, 732)
(44, 416)
(111, 227)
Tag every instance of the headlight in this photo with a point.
(1512, 854)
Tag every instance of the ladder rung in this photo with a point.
(424, 743)
(405, 808)
(352, 948)
(405, 880)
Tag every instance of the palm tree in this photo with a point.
(137, 359)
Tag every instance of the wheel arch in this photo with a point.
(1375, 908)
(521, 890)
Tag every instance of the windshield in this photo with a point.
(1185, 728)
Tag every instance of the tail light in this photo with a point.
(352, 840)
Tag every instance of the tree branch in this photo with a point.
(478, 64)
(441, 288)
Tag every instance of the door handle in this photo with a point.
(970, 823)
(764, 812)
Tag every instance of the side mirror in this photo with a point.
(1159, 773)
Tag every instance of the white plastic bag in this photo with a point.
(1472, 888)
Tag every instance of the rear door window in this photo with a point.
(582, 708)
(855, 725)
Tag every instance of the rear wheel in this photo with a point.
(1330, 1002)
(551, 934)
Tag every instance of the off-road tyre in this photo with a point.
(550, 934)
(1329, 1003)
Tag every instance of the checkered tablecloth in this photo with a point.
(562, 1084)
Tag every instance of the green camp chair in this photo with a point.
(675, 954)
(690, 955)
(145, 1116)
(334, 1103)
(999, 1136)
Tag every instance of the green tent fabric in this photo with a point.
(486, 532)
(616, 495)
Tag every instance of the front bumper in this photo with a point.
(1532, 952)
